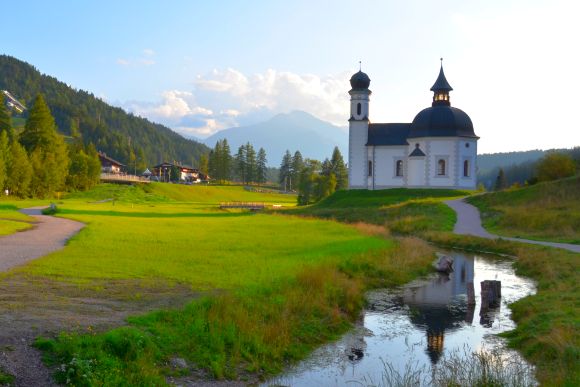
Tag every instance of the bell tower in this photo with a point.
(359, 167)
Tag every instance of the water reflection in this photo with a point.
(417, 323)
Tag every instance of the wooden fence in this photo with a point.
(243, 205)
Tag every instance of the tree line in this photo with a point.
(38, 162)
(133, 140)
(553, 166)
(247, 166)
(312, 179)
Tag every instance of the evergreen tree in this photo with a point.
(241, 164)
(47, 150)
(212, 163)
(5, 119)
(204, 164)
(326, 167)
(251, 163)
(261, 167)
(296, 168)
(338, 168)
(19, 169)
(4, 152)
(225, 161)
(285, 171)
(500, 181)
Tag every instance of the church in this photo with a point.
(437, 150)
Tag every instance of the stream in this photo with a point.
(413, 327)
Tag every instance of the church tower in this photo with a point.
(360, 168)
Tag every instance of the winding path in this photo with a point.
(49, 234)
(469, 223)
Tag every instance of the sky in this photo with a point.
(202, 66)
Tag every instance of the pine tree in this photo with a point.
(19, 174)
(296, 168)
(5, 119)
(261, 166)
(241, 164)
(285, 170)
(225, 161)
(47, 150)
(204, 164)
(4, 152)
(338, 168)
(500, 181)
(251, 163)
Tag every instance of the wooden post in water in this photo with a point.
(470, 294)
(490, 294)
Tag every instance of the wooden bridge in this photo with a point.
(252, 206)
(122, 179)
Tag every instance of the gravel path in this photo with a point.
(469, 223)
(17, 356)
(49, 234)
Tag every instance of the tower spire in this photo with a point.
(359, 65)
(441, 88)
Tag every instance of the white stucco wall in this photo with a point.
(357, 157)
(416, 171)
(385, 158)
(468, 153)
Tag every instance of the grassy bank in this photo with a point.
(11, 220)
(547, 333)
(546, 211)
(276, 286)
(404, 211)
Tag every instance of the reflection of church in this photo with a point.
(436, 308)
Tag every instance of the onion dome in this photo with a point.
(360, 81)
(442, 121)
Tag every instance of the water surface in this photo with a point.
(415, 326)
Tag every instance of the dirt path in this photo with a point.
(49, 234)
(469, 223)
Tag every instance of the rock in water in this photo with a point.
(444, 264)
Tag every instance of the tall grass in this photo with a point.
(546, 211)
(255, 330)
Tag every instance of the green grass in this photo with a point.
(6, 379)
(11, 220)
(402, 211)
(546, 211)
(285, 284)
(547, 331)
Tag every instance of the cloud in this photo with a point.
(229, 98)
(145, 60)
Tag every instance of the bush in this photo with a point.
(555, 166)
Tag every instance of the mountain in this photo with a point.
(111, 129)
(297, 130)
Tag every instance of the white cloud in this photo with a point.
(123, 62)
(145, 60)
(227, 98)
(148, 52)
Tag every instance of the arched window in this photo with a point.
(441, 167)
(370, 168)
(399, 168)
(358, 108)
(466, 168)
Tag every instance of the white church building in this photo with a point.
(437, 150)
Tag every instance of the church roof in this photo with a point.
(442, 121)
(417, 152)
(360, 81)
(388, 134)
(441, 83)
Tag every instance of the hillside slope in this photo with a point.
(545, 211)
(111, 129)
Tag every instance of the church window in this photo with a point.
(441, 167)
(399, 168)
(370, 168)
(358, 109)
(467, 145)
(466, 168)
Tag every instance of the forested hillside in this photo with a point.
(121, 135)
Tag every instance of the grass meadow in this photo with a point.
(11, 220)
(278, 284)
(273, 286)
(545, 211)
